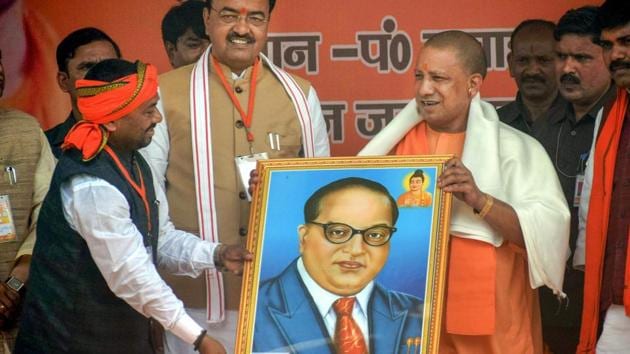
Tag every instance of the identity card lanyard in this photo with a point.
(247, 118)
(141, 189)
(579, 175)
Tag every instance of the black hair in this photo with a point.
(313, 204)
(272, 3)
(614, 13)
(581, 21)
(182, 17)
(111, 70)
(68, 46)
(544, 24)
(416, 174)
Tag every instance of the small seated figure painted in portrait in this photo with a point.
(416, 196)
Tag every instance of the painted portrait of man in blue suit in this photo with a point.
(344, 244)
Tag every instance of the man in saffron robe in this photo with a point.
(606, 310)
(510, 221)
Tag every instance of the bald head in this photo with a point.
(468, 50)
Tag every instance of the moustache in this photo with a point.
(151, 127)
(569, 79)
(247, 38)
(533, 78)
(619, 64)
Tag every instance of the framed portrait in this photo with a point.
(348, 252)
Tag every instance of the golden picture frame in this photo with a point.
(397, 277)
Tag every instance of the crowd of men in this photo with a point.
(126, 227)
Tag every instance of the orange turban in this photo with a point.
(103, 102)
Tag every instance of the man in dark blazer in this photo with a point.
(327, 301)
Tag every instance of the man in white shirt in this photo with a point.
(104, 229)
(326, 301)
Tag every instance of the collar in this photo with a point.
(324, 299)
(559, 110)
(517, 110)
(244, 75)
(608, 96)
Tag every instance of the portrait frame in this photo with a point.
(418, 272)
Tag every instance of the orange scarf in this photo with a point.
(471, 281)
(597, 222)
(104, 102)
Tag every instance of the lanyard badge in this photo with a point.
(244, 166)
(7, 226)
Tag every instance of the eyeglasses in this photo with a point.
(230, 17)
(337, 233)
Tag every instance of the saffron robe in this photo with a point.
(489, 306)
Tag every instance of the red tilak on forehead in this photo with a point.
(243, 11)
(425, 67)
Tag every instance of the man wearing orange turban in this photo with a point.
(104, 230)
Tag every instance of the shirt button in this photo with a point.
(573, 132)
(242, 195)
(242, 231)
(239, 124)
(238, 89)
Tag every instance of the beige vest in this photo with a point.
(273, 113)
(20, 148)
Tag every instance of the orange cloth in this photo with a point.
(111, 101)
(597, 222)
(424, 140)
(411, 199)
(490, 307)
(103, 102)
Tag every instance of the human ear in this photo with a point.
(302, 233)
(63, 81)
(111, 126)
(206, 20)
(474, 84)
(171, 48)
(510, 66)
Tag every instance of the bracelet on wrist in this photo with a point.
(199, 339)
(486, 207)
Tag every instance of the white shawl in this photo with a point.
(512, 167)
(200, 121)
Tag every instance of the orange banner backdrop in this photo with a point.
(358, 54)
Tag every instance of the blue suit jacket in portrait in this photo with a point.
(288, 321)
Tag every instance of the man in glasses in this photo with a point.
(234, 102)
(327, 299)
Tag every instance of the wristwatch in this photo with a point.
(15, 284)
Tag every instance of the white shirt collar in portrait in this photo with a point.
(324, 300)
